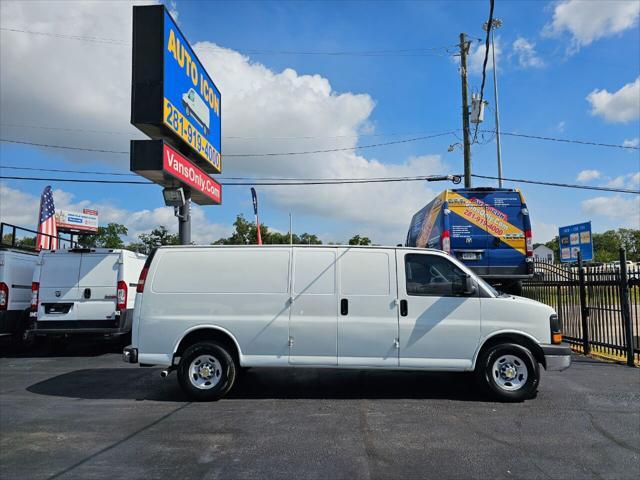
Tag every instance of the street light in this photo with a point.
(496, 23)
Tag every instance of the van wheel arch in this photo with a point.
(208, 334)
(516, 338)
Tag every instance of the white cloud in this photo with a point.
(588, 21)
(21, 208)
(86, 85)
(587, 175)
(526, 54)
(621, 106)
(630, 181)
(625, 210)
(543, 232)
(475, 60)
(561, 126)
(631, 142)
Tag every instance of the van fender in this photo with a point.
(210, 327)
(495, 334)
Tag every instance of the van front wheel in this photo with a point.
(510, 372)
(206, 371)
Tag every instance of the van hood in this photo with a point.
(527, 301)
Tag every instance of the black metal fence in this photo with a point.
(599, 306)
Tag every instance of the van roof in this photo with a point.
(92, 250)
(286, 245)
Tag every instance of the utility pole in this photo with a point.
(464, 50)
(496, 23)
(184, 220)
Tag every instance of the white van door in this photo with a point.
(97, 286)
(59, 286)
(368, 321)
(314, 308)
(439, 323)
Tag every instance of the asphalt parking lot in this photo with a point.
(85, 414)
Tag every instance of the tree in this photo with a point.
(358, 240)
(107, 237)
(158, 237)
(310, 239)
(19, 242)
(246, 233)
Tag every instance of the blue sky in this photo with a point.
(565, 69)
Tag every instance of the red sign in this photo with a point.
(182, 169)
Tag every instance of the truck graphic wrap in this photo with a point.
(487, 229)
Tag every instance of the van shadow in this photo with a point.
(266, 383)
(72, 347)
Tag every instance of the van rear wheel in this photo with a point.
(206, 372)
(509, 371)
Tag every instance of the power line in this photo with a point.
(403, 52)
(266, 182)
(339, 181)
(373, 145)
(484, 64)
(268, 154)
(226, 137)
(59, 170)
(63, 147)
(565, 140)
(563, 185)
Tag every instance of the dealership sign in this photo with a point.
(173, 96)
(164, 165)
(77, 222)
(576, 239)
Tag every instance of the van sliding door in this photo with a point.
(368, 321)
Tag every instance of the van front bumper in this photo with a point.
(556, 357)
(130, 354)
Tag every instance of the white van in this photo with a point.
(16, 272)
(194, 105)
(83, 290)
(208, 310)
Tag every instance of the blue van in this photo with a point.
(488, 229)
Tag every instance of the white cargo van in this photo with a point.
(82, 290)
(16, 272)
(208, 310)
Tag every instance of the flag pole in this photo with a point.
(254, 198)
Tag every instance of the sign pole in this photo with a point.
(184, 219)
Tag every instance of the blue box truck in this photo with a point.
(488, 229)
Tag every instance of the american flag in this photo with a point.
(47, 224)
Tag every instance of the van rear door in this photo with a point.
(469, 240)
(59, 286)
(507, 225)
(97, 286)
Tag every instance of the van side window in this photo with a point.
(432, 275)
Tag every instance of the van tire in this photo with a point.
(223, 376)
(509, 372)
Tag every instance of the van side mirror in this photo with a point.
(470, 287)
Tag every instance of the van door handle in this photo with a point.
(87, 293)
(404, 308)
(344, 307)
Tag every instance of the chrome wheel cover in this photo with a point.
(205, 372)
(509, 372)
